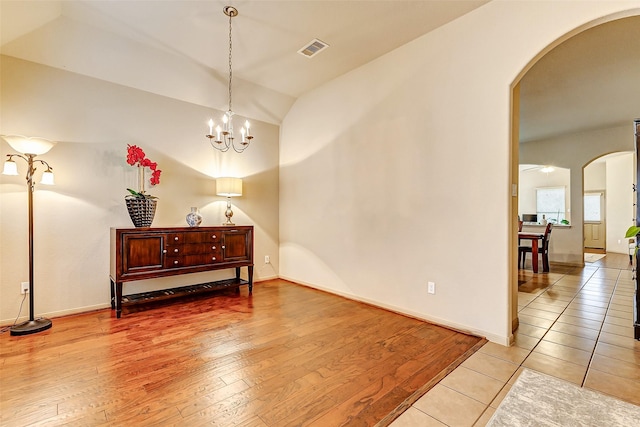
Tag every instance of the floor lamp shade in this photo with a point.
(29, 145)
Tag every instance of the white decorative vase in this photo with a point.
(194, 218)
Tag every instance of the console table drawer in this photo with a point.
(192, 260)
(195, 237)
(194, 249)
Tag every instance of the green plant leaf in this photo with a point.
(633, 231)
(139, 195)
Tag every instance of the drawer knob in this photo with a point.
(223, 246)
(175, 262)
(175, 238)
(164, 251)
(213, 258)
(175, 250)
(213, 247)
(213, 237)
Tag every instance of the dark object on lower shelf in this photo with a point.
(183, 291)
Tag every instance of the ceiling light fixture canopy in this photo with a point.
(224, 139)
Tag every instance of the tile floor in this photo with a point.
(575, 324)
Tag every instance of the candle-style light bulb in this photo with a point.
(218, 130)
(242, 131)
(248, 126)
(210, 126)
(225, 122)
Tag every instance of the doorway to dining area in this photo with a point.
(594, 209)
(607, 205)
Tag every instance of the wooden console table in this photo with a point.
(147, 253)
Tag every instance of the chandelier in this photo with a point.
(224, 138)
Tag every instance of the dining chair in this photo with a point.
(543, 249)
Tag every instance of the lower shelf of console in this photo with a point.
(182, 291)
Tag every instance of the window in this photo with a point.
(592, 207)
(550, 202)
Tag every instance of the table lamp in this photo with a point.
(229, 187)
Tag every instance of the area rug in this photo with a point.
(593, 257)
(536, 399)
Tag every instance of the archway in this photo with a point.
(574, 148)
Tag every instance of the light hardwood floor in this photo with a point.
(288, 355)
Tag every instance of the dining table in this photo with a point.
(535, 237)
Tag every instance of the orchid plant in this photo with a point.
(137, 157)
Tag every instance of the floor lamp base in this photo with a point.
(31, 327)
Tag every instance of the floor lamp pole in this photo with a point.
(32, 325)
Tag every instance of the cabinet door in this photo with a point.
(237, 245)
(142, 252)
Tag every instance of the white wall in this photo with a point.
(94, 121)
(595, 176)
(619, 200)
(383, 168)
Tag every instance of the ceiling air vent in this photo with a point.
(312, 48)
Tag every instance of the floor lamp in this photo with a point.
(30, 148)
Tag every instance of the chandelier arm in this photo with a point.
(219, 147)
(243, 145)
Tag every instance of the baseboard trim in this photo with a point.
(60, 313)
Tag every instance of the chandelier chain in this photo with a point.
(230, 62)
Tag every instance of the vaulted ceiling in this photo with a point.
(176, 48)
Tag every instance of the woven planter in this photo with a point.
(141, 210)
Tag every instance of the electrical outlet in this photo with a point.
(267, 260)
(431, 287)
(24, 287)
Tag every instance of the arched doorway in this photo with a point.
(558, 129)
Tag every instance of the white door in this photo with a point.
(594, 221)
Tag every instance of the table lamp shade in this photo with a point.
(29, 145)
(229, 187)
